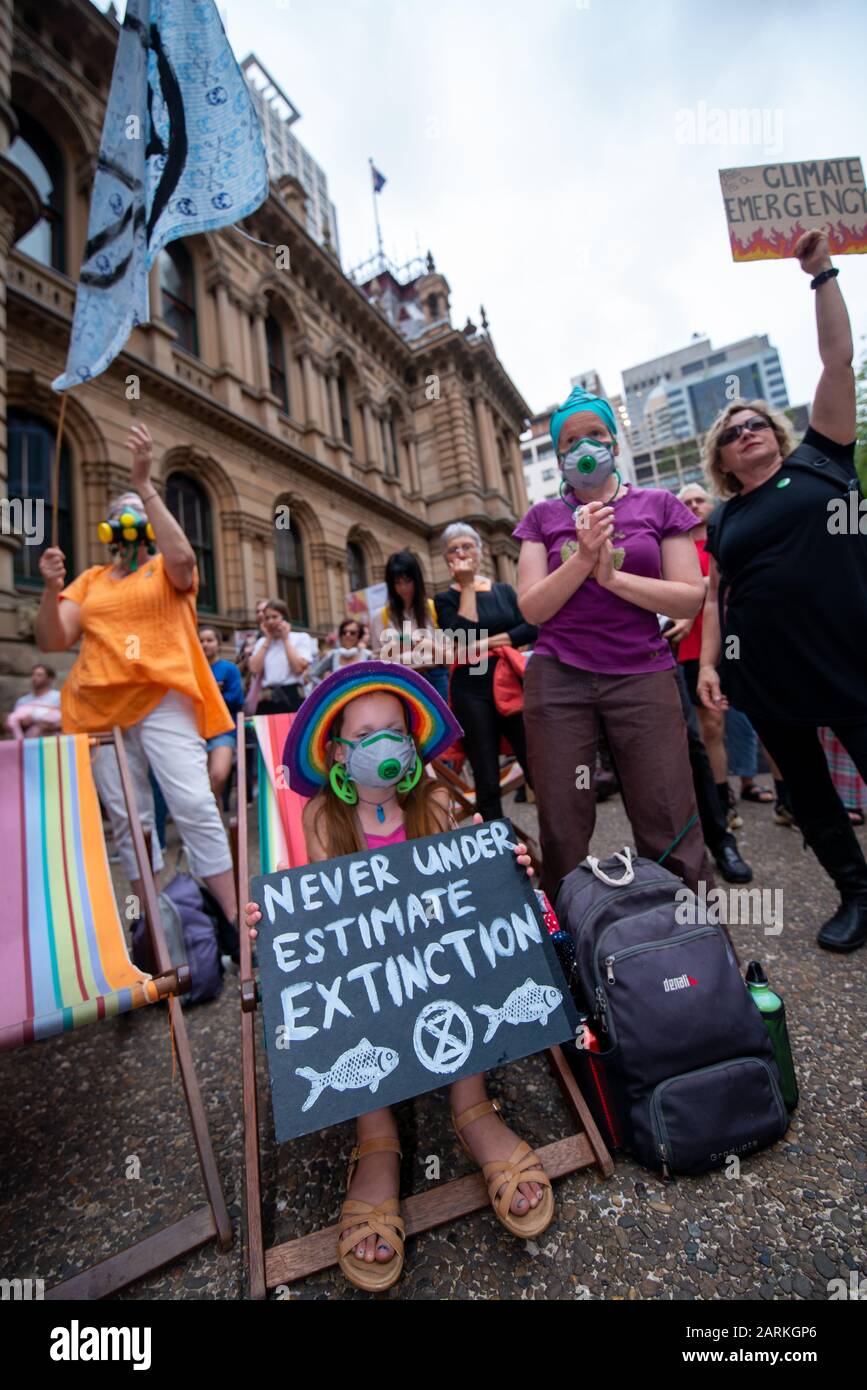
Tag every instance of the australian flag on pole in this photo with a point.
(379, 179)
(181, 153)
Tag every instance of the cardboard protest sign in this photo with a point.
(366, 604)
(395, 971)
(769, 206)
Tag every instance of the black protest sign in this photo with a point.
(395, 971)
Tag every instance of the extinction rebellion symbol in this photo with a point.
(443, 1036)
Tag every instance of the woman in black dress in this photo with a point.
(786, 613)
(488, 613)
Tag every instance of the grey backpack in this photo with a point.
(685, 1051)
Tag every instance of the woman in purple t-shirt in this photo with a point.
(597, 565)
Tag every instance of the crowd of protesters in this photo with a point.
(616, 643)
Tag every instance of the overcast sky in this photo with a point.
(541, 149)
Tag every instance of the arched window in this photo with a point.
(278, 380)
(345, 414)
(356, 564)
(31, 459)
(291, 587)
(189, 505)
(178, 286)
(35, 153)
(389, 444)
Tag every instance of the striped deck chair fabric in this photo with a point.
(281, 837)
(63, 956)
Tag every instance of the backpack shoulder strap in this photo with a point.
(812, 460)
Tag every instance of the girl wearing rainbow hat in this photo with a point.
(357, 748)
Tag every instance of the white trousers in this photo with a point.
(168, 739)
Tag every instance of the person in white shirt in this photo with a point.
(281, 657)
(37, 714)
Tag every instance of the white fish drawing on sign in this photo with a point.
(364, 1065)
(528, 1003)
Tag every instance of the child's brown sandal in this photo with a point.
(522, 1166)
(382, 1221)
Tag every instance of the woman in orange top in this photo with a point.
(141, 666)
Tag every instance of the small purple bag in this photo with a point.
(191, 938)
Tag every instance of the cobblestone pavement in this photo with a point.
(82, 1114)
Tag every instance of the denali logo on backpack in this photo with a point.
(692, 1080)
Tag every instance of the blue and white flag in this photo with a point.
(379, 180)
(181, 153)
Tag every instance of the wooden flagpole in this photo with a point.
(55, 473)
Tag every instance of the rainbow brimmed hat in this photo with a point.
(431, 722)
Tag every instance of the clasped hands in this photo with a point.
(594, 528)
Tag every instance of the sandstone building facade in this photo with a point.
(267, 377)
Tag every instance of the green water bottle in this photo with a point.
(773, 1012)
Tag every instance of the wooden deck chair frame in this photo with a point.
(464, 793)
(295, 1259)
(207, 1222)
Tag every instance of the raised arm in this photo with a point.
(178, 555)
(297, 663)
(833, 412)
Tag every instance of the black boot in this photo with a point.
(733, 868)
(837, 849)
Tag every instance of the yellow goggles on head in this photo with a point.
(126, 533)
(129, 526)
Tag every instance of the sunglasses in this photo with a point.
(735, 431)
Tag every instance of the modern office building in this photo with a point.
(672, 466)
(286, 154)
(675, 397)
(541, 473)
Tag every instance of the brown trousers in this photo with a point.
(644, 724)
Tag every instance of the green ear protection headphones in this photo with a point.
(343, 786)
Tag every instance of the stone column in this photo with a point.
(324, 401)
(271, 564)
(260, 343)
(412, 454)
(458, 452)
(335, 431)
(250, 533)
(224, 328)
(311, 395)
(155, 299)
(329, 582)
(486, 444)
(522, 502)
(370, 450)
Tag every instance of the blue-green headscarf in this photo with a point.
(580, 399)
